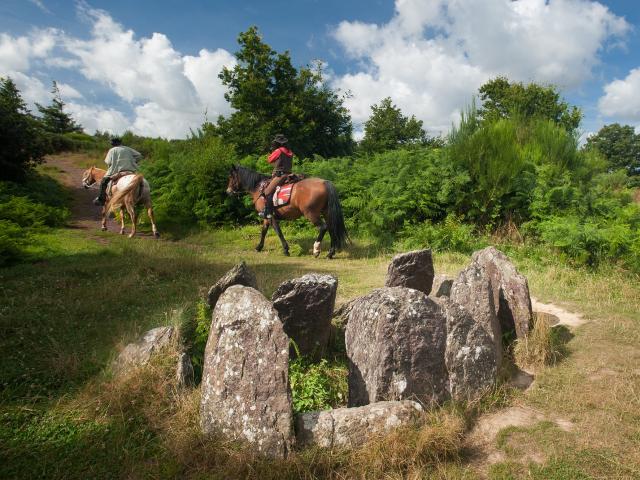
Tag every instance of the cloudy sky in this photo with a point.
(152, 66)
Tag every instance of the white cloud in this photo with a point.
(98, 117)
(68, 92)
(621, 98)
(40, 5)
(432, 56)
(16, 53)
(202, 71)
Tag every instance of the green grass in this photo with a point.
(64, 316)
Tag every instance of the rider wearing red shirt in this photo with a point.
(282, 160)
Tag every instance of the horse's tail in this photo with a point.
(335, 220)
(119, 196)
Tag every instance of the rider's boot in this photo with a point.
(101, 199)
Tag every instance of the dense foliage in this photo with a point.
(620, 146)
(269, 95)
(54, 118)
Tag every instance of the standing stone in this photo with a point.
(472, 290)
(184, 371)
(510, 291)
(305, 307)
(238, 275)
(441, 286)
(245, 384)
(139, 353)
(411, 270)
(395, 340)
(470, 355)
(351, 427)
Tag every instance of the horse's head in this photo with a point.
(234, 186)
(88, 178)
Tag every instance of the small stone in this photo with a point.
(411, 270)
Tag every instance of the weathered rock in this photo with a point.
(441, 286)
(184, 371)
(351, 427)
(470, 355)
(245, 384)
(137, 354)
(238, 275)
(305, 306)
(473, 291)
(395, 340)
(510, 291)
(411, 270)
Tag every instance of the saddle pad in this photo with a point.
(282, 195)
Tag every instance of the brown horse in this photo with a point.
(314, 198)
(126, 194)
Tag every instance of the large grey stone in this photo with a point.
(305, 306)
(184, 371)
(351, 427)
(395, 340)
(470, 355)
(473, 291)
(245, 384)
(139, 353)
(510, 291)
(411, 270)
(238, 275)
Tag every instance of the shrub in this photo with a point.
(544, 345)
(449, 235)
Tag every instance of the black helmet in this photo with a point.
(280, 139)
(115, 141)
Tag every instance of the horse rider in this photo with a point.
(120, 160)
(282, 159)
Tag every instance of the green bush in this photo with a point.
(449, 235)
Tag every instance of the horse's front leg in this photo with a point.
(263, 234)
(122, 220)
(104, 219)
(276, 227)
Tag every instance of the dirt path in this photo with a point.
(84, 214)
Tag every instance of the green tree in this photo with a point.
(387, 129)
(269, 95)
(21, 137)
(503, 99)
(54, 118)
(619, 145)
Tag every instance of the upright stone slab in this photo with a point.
(305, 307)
(470, 355)
(441, 286)
(510, 291)
(472, 290)
(238, 275)
(351, 427)
(395, 340)
(411, 270)
(245, 384)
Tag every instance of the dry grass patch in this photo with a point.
(543, 346)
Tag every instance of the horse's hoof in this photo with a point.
(316, 254)
(131, 235)
(121, 232)
(156, 234)
(258, 248)
(104, 229)
(286, 253)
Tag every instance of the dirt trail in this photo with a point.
(84, 214)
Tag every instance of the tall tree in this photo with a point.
(387, 129)
(21, 137)
(619, 145)
(54, 118)
(503, 99)
(269, 95)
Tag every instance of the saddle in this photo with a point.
(282, 195)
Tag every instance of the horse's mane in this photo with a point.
(249, 179)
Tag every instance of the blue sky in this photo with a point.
(151, 66)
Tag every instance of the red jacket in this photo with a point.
(282, 158)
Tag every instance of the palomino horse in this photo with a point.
(314, 198)
(129, 191)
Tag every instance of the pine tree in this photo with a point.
(22, 140)
(54, 118)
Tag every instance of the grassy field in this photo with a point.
(63, 317)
